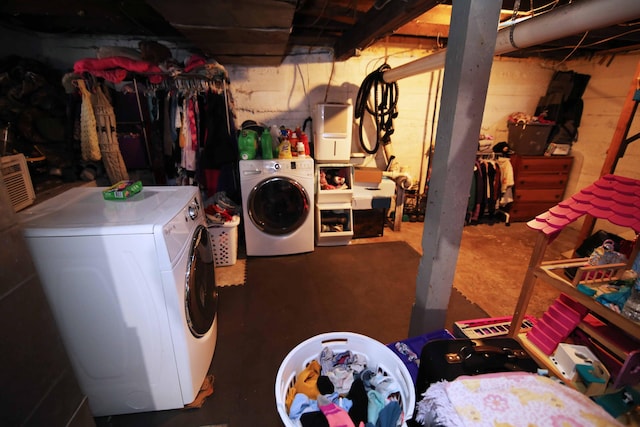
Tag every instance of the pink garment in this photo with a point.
(194, 61)
(191, 111)
(115, 68)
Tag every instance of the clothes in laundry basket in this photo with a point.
(341, 387)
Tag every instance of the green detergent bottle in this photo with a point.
(266, 145)
(247, 144)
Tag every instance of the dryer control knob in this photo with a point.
(193, 211)
(277, 166)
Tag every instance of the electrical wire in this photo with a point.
(584, 36)
(383, 111)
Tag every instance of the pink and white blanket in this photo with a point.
(508, 399)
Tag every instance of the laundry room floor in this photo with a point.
(490, 269)
(492, 262)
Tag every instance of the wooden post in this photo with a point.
(528, 284)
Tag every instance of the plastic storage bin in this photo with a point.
(378, 356)
(529, 139)
(224, 241)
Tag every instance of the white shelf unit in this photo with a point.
(334, 224)
(342, 193)
(334, 212)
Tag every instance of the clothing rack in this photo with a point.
(498, 205)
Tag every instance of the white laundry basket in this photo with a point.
(379, 357)
(224, 241)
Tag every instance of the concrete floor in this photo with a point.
(492, 263)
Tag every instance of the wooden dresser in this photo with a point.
(540, 182)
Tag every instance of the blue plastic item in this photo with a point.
(409, 350)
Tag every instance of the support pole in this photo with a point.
(466, 79)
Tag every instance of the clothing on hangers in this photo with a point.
(492, 187)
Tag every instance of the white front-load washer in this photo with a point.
(277, 205)
(131, 284)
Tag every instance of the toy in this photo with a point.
(334, 181)
(324, 185)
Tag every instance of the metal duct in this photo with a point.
(562, 22)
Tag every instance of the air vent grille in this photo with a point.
(18, 181)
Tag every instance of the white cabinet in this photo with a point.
(334, 224)
(334, 192)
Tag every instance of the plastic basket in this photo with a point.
(379, 357)
(224, 241)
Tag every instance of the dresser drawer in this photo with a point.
(528, 210)
(552, 195)
(542, 164)
(529, 181)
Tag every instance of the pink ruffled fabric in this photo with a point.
(116, 68)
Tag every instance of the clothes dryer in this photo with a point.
(131, 284)
(277, 205)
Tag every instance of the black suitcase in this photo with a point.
(448, 359)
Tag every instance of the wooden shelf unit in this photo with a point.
(552, 272)
(548, 272)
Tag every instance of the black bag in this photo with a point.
(449, 359)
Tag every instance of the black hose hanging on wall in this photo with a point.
(385, 100)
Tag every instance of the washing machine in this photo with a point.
(277, 205)
(131, 284)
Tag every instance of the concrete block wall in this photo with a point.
(39, 387)
(286, 94)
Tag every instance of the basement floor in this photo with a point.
(492, 262)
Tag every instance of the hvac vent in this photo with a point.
(18, 181)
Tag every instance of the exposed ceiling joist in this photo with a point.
(264, 32)
(377, 23)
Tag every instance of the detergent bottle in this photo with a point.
(266, 144)
(293, 141)
(247, 144)
(284, 150)
(305, 141)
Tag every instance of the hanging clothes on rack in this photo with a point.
(188, 138)
(491, 189)
(186, 121)
(220, 152)
(89, 145)
(109, 147)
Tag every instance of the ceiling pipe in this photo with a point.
(565, 21)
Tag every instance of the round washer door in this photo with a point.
(201, 293)
(278, 205)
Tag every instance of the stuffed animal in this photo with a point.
(324, 185)
(335, 180)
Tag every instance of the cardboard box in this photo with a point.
(372, 175)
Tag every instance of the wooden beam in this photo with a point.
(378, 23)
(528, 284)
